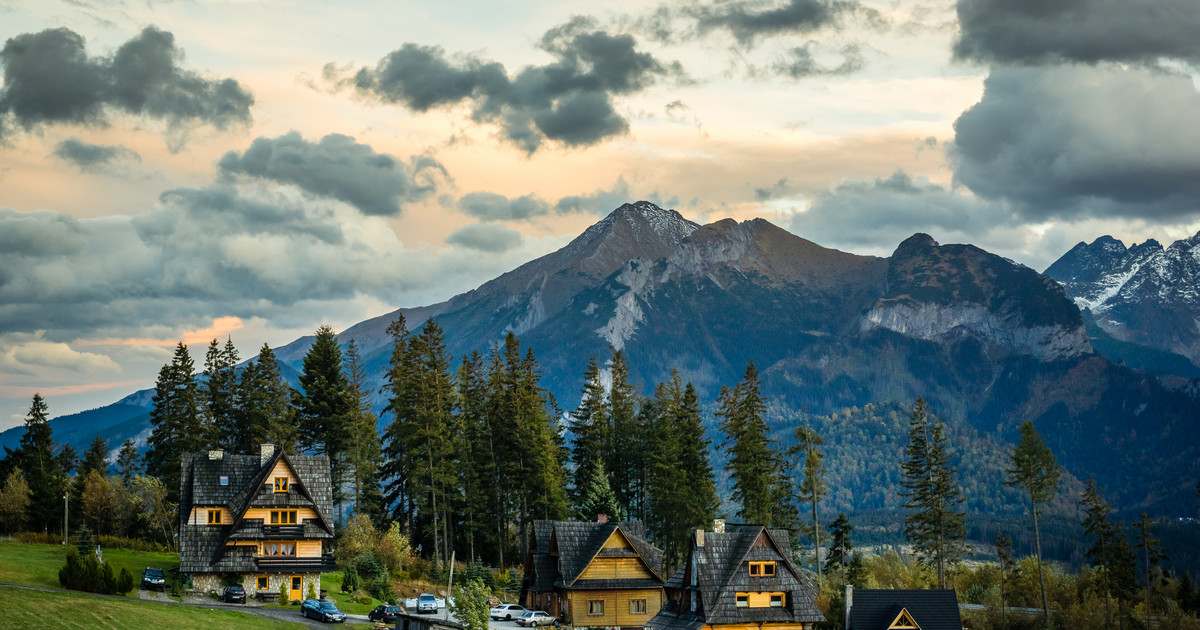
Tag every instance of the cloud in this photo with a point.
(569, 101)
(750, 20)
(94, 158)
(878, 214)
(1090, 31)
(1079, 141)
(338, 167)
(27, 353)
(49, 78)
(485, 237)
(799, 62)
(493, 207)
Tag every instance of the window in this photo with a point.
(776, 600)
(637, 606)
(595, 606)
(223, 480)
(262, 583)
(762, 569)
(743, 600)
(281, 484)
(214, 517)
(283, 517)
(279, 549)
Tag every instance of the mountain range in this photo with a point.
(987, 342)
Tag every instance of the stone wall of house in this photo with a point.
(210, 583)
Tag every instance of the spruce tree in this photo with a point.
(265, 411)
(221, 393)
(1152, 556)
(480, 490)
(627, 447)
(934, 523)
(812, 489)
(597, 497)
(94, 458)
(1035, 471)
(177, 425)
(398, 462)
(760, 482)
(128, 461)
(43, 472)
(324, 405)
(591, 427)
(1104, 554)
(841, 548)
(363, 446)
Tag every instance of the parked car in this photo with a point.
(384, 613)
(533, 618)
(426, 603)
(233, 594)
(153, 579)
(507, 611)
(322, 611)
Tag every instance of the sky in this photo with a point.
(249, 170)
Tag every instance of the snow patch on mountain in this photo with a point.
(636, 275)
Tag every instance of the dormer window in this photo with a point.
(223, 480)
(762, 569)
(281, 484)
(214, 517)
(743, 600)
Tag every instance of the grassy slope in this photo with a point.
(38, 609)
(38, 565)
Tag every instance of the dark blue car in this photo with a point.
(322, 611)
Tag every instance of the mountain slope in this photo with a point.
(1143, 294)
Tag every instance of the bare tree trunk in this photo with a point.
(1037, 544)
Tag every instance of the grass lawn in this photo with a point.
(332, 583)
(38, 565)
(35, 609)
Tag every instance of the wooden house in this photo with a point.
(593, 574)
(264, 517)
(902, 609)
(740, 579)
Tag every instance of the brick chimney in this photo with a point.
(266, 452)
(602, 518)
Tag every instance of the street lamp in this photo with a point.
(66, 503)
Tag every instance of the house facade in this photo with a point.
(740, 579)
(902, 609)
(264, 517)
(593, 574)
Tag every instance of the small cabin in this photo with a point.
(902, 609)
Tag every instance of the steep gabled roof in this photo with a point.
(562, 550)
(931, 609)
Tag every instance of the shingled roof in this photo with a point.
(721, 571)
(202, 547)
(578, 543)
(931, 609)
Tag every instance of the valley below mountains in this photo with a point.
(1100, 352)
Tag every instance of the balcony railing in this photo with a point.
(283, 564)
(256, 528)
(282, 531)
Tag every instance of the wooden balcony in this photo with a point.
(295, 564)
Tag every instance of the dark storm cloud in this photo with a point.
(485, 237)
(569, 101)
(1083, 141)
(493, 207)
(1090, 31)
(49, 78)
(339, 167)
(94, 158)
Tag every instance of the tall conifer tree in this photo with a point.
(42, 470)
(363, 449)
(177, 424)
(760, 480)
(324, 405)
(591, 428)
(1035, 471)
(627, 447)
(221, 394)
(265, 410)
(812, 488)
(934, 523)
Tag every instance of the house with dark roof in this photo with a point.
(593, 574)
(902, 609)
(264, 517)
(738, 578)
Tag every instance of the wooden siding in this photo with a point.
(281, 469)
(762, 600)
(265, 514)
(617, 540)
(199, 516)
(616, 607)
(308, 548)
(602, 568)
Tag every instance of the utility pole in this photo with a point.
(66, 503)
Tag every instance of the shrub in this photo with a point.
(350, 580)
(283, 592)
(83, 541)
(312, 589)
(381, 589)
(124, 581)
(368, 566)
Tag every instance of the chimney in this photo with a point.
(267, 451)
(216, 455)
(718, 526)
(602, 518)
(699, 537)
(849, 603)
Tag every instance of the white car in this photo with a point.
(533, 618)
(426, 603)
(507, 611)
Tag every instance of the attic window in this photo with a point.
(223, 480)
(762, 569)
(743, 600)
(904, 621)
(776, 600)
(281, 484)
(214, 517)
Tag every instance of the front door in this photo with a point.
(297, 593)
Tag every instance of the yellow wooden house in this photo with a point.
(264, 517)
(593, 574)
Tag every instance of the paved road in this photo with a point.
(292, 615)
